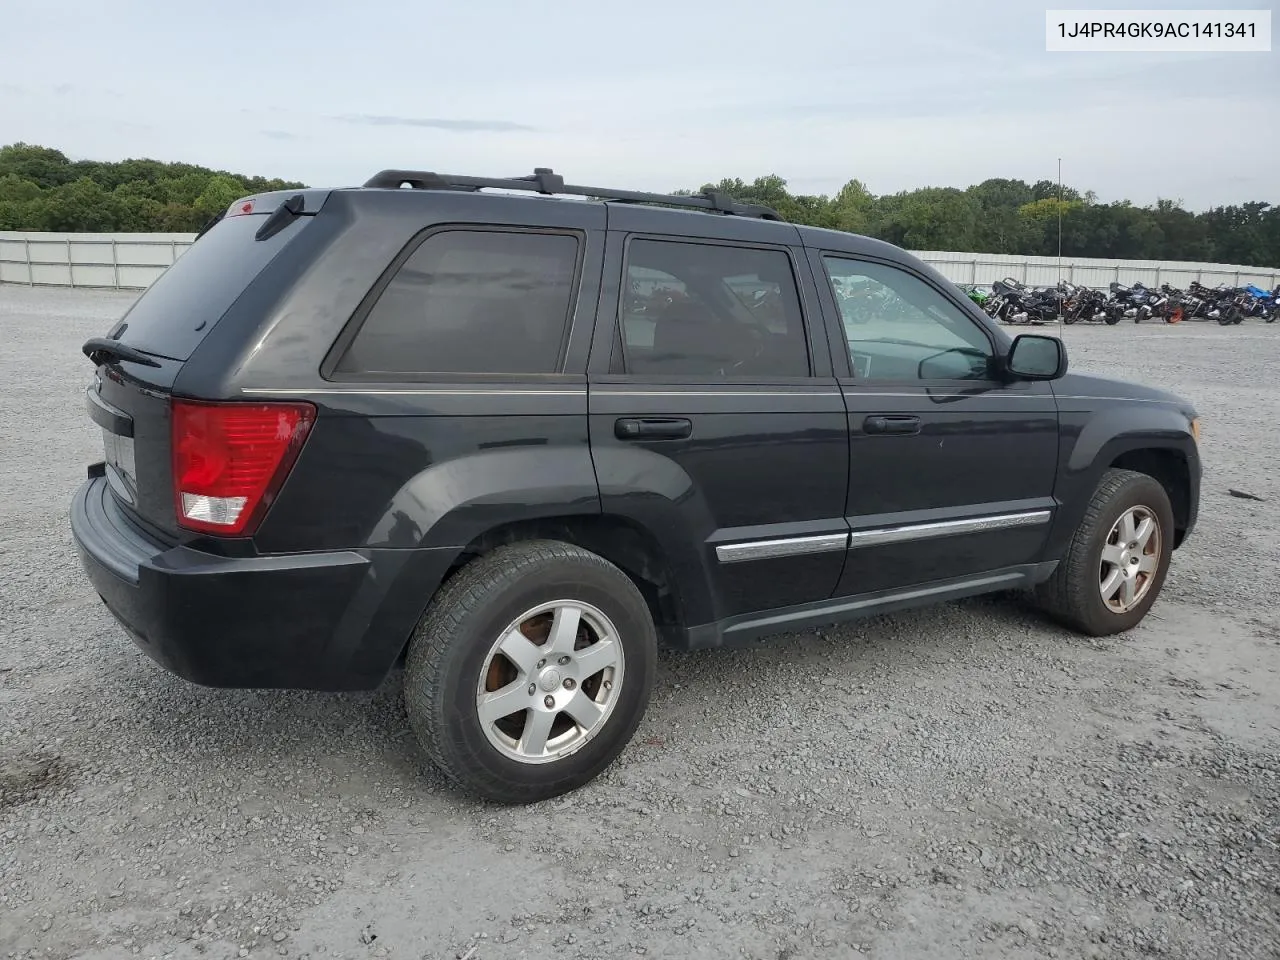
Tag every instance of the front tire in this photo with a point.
(530, 671)
(1116, 563)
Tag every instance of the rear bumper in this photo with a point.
(317, 621)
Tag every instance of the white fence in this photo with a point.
(984, 268)
(125, 261)
(132, 261)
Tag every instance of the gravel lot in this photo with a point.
(961, 782)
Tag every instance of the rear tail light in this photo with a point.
(230, 460)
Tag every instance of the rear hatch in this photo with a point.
(139, 360)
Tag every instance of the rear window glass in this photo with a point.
(710, 311)
(471, 301)
(182, 306)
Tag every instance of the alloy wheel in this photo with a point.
(550, 681)
(1130, 559)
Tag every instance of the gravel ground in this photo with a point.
(959, 782)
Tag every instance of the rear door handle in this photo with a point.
(889, 424)
(652, 428)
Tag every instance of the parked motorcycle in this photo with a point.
(1165, 304)
(1013, 302)
(1085, 305)
(1008, 301)
(1257, 302)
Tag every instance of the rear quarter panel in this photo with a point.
(404, 470)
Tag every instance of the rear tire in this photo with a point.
(1112, 572)
(527, 627)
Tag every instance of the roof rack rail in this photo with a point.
(545, 181)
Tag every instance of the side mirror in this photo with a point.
(1036, 357)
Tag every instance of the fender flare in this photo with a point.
(1104, 438)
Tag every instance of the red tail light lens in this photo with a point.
(230, 460)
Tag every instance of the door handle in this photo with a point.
(885, 424)
(652, 428)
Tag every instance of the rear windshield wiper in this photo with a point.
(100, 350)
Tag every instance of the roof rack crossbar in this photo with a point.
(543, 180)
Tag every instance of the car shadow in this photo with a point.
(366, 736)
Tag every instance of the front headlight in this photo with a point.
(1195, 428)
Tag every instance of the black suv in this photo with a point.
(520, 439)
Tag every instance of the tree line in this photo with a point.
(1015, 217)
(41, 189)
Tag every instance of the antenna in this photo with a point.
(1059, 246)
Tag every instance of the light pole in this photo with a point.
(1059, 246)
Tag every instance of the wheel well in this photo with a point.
(629, 547)
(1169, 469)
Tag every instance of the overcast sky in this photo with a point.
(653, 95)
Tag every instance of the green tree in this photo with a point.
(997, 194)
(1044, 189)
(81, 206)
(184, 189)
(41, 189)
(1049, 208)
(219, 193)
(14, 189)
(853, 209)
(1186, 236)
(43, 166)
(17, 198)
(934, 218)
(1238, 234)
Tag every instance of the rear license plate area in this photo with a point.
(121, 471)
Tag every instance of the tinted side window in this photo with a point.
(472, 301)
(704, 310)
(900, 328)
